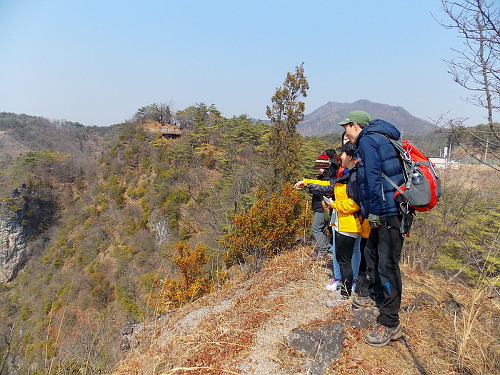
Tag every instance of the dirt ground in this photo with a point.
(242, 328)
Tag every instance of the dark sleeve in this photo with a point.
(320, 189)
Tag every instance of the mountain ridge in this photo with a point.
(324, 120)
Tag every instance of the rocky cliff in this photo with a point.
(22, 217)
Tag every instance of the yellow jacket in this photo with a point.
(346, 208)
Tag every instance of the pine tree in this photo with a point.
(284, 142)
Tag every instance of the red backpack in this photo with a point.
(422, 188)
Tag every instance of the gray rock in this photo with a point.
(22, 218)
(127, 333)
(321, 346)
(421, 300)
(452, 307)
(364, 318)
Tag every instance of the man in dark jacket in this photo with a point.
(376, 156)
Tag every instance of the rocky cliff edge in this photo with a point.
(275, 321)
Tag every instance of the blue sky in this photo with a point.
(97, 62)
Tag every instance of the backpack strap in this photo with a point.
(389, 180)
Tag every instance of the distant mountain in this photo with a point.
(324, 120)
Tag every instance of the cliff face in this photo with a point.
(22, 218)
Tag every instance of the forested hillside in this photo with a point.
(118, 224)
(157, 223)
(22, 137)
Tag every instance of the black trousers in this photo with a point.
(362, 265)
(344, 247)
(383, 253)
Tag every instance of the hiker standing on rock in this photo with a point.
(346, 221)
(376, 156)
(358, 260)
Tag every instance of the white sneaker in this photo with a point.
(333, 286)
(353, 287)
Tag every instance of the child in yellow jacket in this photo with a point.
(346, 219)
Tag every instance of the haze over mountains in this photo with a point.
(325, 119)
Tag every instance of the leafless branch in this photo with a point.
(476, 67)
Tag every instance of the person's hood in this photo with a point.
(382, 127)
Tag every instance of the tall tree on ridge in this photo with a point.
(284, 141)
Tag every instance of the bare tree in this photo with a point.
(476, 67)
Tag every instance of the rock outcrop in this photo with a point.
(23, 216)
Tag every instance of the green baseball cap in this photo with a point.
(359, 117)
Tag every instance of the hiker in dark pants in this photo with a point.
(319, 224)
(384, 248)
(346, 221)
(376, 156)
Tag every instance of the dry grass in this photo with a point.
(242, 328)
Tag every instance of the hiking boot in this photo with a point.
(363, 302)
(333, 286)
(381, 335)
